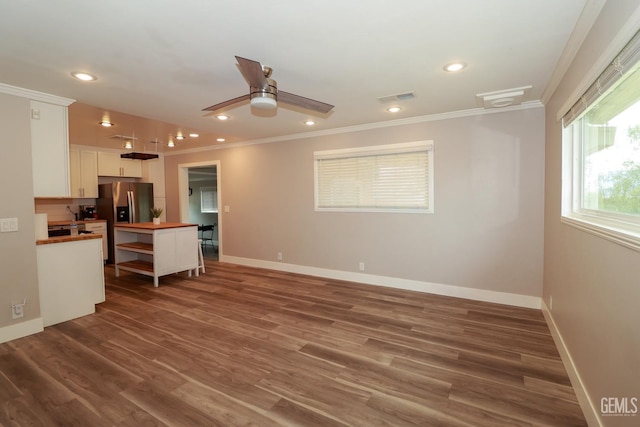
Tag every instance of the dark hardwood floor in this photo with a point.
(241, 346)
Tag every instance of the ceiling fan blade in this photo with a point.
(252, 72)
(301, 101)
(227, 103)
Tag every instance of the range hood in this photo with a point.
(139, 156)
(133, 155)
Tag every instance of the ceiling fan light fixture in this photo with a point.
(264, 101)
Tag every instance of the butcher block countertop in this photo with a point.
(63, 239)
(152, 226)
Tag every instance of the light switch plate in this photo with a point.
(8, 225)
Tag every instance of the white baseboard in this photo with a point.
(526, 301)
(586, 404)
(20, 330)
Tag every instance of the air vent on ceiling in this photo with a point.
(397, 97)
(503, 98)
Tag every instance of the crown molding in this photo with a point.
(364, 127)
(585, 22)
(35, 95)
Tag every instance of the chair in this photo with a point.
(207, 236)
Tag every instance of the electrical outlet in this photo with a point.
(361, 266)
(279, 256)
(17, 311)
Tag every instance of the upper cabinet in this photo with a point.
(50, 150)
(84, 173)
(153, 171)
(111, 164)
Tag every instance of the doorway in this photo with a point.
(199, 197)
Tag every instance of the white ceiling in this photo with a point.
(167, 60)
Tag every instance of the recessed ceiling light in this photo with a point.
(222, 117)
(309, 123)
(220, 140)
(394, 109)
(106, 123)
(171, 144)
(454, 66)
(85, 77)
(193, 135)
(179, 137)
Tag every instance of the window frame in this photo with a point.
(378, 150)
(618, 228)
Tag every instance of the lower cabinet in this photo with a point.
(71, 279)
(99, 227)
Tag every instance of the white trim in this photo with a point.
(586, 404)
(368, 126)
(584, 24)
(35, 95)
(526, 301)
(23, 329)
(628, 30)
(625, 238)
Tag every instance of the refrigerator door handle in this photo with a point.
(132, 208)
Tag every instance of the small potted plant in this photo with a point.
(155, 213)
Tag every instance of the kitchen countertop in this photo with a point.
(63, 239)
(152, 226)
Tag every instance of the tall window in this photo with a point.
(601, 165)
(388, 178)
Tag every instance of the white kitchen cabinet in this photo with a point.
(153, 171)
(156, 250)
(70, 278)
(84, 173)
(111, 164)
(50, 150)
(99, 227)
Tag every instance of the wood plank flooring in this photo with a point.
(242, 346)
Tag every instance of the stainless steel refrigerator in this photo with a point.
(124, 202)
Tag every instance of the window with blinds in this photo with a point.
(208, 200)
(601, 153)
(388, 178)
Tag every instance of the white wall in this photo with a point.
(485, 235)
(18, 276)
(594, 283)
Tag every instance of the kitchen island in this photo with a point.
(156, 249)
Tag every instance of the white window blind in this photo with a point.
(626, 61)
(208, 199)
(392, 178)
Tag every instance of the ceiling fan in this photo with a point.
(264, 93)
